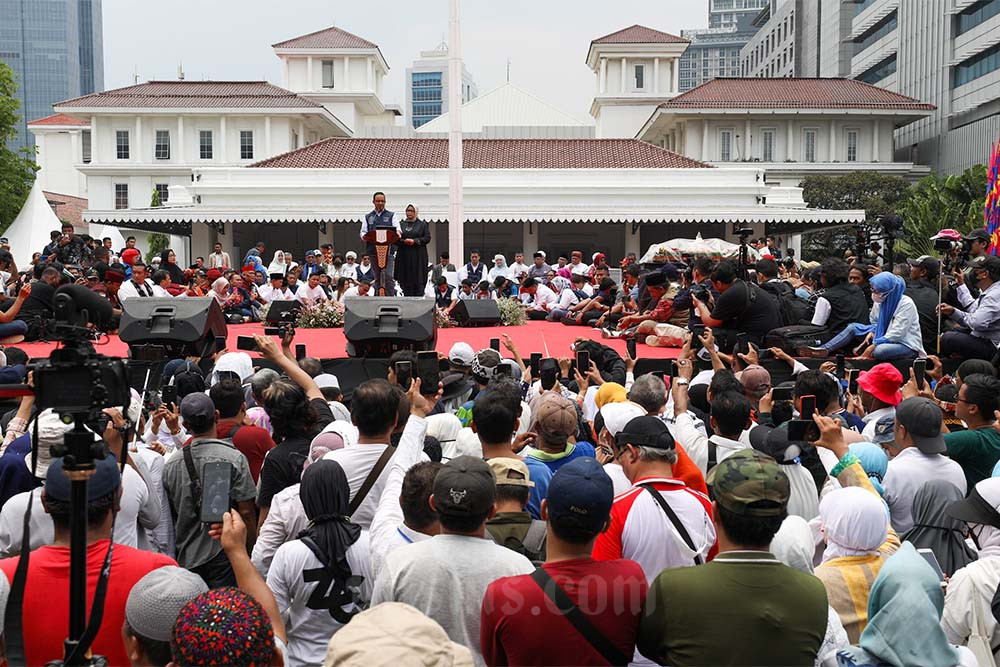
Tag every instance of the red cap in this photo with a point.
(883, 382)
(214, 274)
(130, 255)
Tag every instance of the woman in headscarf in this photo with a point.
(411, 253)
(874, 460)
(933, 529)
(793, 545)
(278, 264)
(904, 620)
(238, 363)
(326, 558)
(854, 522)
(253, 259)
(499, 268)
(894, 331)
(221, 291)
(168, 263)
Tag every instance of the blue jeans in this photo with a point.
(883, 351)
(845, 337)
(555, 315)
(13, 328)
(890, 351)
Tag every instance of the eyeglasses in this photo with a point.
(962, 400)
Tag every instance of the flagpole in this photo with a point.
(456, 212)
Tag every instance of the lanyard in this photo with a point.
(403, 535)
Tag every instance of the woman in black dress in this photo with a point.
(411, 254)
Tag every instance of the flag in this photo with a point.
(991, 212)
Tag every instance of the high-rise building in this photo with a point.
(56, 49)
(427, 86)
(715, 51)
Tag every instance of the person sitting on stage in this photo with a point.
(474, 270)
(569, 296)
(312, 293)
(444, 295)
(466, 291)
(654, 326)
(292, 280)
(500, 268)
(361, 288)
(350, 267)
(624, 301)
(577, 265)
(539, 270)
(138, 286)
(542, 299)
(485, 291)
(365, 270)
(979, 331)
(503, 287)
(596, 306)
(276, 290)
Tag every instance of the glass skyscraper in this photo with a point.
(56, 49)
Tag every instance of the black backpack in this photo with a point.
(792, 309)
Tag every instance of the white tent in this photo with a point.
(101, 231)
(29, 233)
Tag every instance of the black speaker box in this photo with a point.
(184, 327)
(476, 313)
(378, 326)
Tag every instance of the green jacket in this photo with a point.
(743, 608)
(519, 532)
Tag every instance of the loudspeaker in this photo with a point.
(476, 313)
(181, 327)
(378, 326)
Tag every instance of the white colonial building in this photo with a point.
(790, 127)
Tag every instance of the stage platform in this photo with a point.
(551, 339)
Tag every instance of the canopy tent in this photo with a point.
(99, 232)
(676, 249)
(29, 233)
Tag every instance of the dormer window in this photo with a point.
(640, 77)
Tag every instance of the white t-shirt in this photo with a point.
(311, 295)
(357, 461)
(310, 627)
(544, 299)
(269, 294)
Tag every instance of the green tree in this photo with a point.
(942, 202)
(155, 201)
(17, 168)
(157, 244)
(876, 193)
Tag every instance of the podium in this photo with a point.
(382, 238)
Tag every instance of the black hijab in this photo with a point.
(933, 529)
(325, 497)
(176, 275)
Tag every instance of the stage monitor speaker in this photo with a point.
(379, 326)
(181, 327)
(476, 313)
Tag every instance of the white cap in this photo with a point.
(461, 353)
(351, 254)
(617, 415)
(327, 380)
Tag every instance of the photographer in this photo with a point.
(740, 307)
(922, 288)
(979, 325)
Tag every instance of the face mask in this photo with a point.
(878, 298)
(337, 264)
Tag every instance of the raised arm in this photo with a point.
(269, 350)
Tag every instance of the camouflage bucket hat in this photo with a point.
(747, 477)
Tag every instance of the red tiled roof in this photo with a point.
(194, 94)
(67, 207)
(639, 34)
(59, 119)
(337, 153)
(327, 38)
(756, 93)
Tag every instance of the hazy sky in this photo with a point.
(546, 41)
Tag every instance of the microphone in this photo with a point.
(72, 302)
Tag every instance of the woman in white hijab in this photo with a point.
(793, 545)
(445, 427)
(220, 290)
(278, 264)
(499, 269)
(239, 363)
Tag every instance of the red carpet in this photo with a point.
(550, 338)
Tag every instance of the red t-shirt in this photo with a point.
(253, 441)
(46, 597)
(521, 626)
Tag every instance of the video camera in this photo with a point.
(282, 315)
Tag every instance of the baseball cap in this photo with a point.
(884, 430)
(927, 263)
(980, 506)
(646, 431)
(989, 262)
(106, 478)
(197, 406)
(155, 600)
(754, 377)
(484, 363)
(455, 385)
(327, 380)
(310, 253)
(510, 472)
(883, 382)
(617, 415)
(977, 235)
(656, 279)
(922, 419)
(580, 495)
(465, 486)
(461, 354)
(554, 416)
(775, 443)
(747, 478)
(540, 253)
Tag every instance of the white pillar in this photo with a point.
(875, 145)
(369, 76)
(302, 133)
(284, 73)
(309, 74)
(222, 156)
(790, 142)
(604, 76)
(267, 137)
(656, 75)
(180, 157)
(833, 141)
(624, 75)
(456, 205)
(137, 144)
(746, 142)
(74, 142)
(704, 157)
(94, 152)
(676, 71)
(347, 73)
(529, 241)
(631, 240)
(42, 177)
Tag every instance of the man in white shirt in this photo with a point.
(361, 289)
(916, 451)
(543, 299)
(350, 267)
(138, 286)
(474, 270)
(311, 293)
(518, 268)
(730, 416)
(576, 264)
(219, 259)
(276, 290)
(460, 561)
